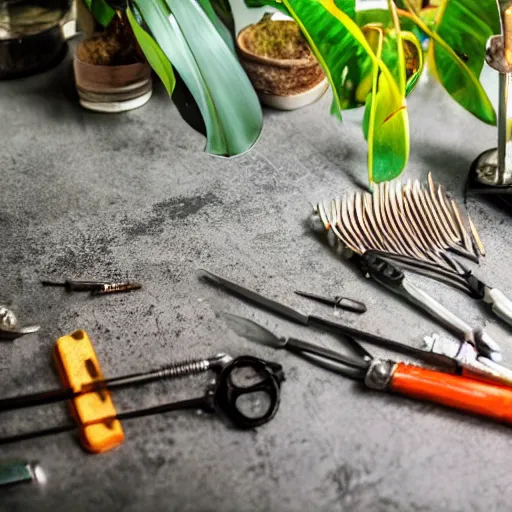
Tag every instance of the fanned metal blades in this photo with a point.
(414, 221)
(419, 227)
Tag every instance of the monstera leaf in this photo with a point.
(225, 97)
(456, 52)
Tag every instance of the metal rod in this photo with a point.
(196, 403)
(182, 369)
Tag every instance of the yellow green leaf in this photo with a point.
(414, 61)
(456, 51)
(334, 38)
(386, 121)
(155, 56)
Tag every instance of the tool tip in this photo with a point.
(45, 282)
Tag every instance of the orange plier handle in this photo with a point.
(463, 393)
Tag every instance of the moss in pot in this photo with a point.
(280, 64)
(111, 72)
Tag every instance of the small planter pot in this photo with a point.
(285, 84)
(112, 89)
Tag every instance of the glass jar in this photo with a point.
(31, 36)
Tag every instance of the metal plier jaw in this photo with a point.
(468, 360)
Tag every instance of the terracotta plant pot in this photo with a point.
(112, 88)
(283, 83)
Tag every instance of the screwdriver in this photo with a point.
(96, 287)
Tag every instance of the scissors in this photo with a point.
(455, 391)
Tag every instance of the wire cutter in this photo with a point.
(455, 391)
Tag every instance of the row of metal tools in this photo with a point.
(413, 227)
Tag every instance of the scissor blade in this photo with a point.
(253, 331)
(269, 304)
(345, 365)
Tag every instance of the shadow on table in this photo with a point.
(448, 166)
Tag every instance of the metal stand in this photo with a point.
(491, 172)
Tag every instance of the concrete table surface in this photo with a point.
(87, 195)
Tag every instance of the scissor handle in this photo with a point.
(248, 391)
(473, 396)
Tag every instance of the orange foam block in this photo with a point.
(78, 367)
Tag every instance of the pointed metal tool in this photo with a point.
(348, 333)
(95, 287)
(337, 301)
(255, 332)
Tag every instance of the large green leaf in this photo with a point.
(456, 51)
(358, 79)
(334, 38)
(276, 4)
(101, 11)
(155, 56)
(340, 45)
(227, 101)
(221, 28)
(386, 122)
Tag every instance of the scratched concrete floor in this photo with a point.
(86, 195)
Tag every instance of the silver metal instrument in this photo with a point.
(9, 326)
(492, 170)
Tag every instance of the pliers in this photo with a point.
(454, 391)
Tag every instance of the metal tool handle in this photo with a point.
(393, 279)
(325, 352)
(501, 305)
(418, 297)
(473, 396)
(483, 368)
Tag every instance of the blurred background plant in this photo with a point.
(372, 59)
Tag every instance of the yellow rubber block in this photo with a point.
(78, 366)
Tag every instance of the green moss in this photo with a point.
(278, 39)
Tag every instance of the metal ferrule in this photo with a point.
(379, 374)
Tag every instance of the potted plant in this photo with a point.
(186, 36)
(111, 71)
(373, 59)
(280, 63)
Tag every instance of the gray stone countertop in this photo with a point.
(87, 195)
